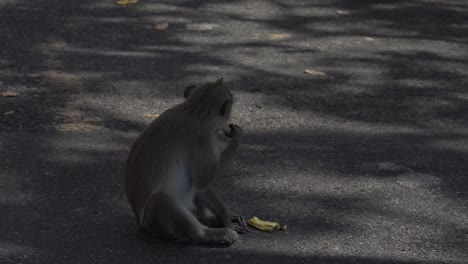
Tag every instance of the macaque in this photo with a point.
(173, 162)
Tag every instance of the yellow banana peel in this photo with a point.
(265, 225)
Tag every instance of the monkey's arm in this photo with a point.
(209, 200)
(227, 154)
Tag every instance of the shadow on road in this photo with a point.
(394, 91)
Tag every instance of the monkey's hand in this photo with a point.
(241, 226)
(235, 222)
(233, 131)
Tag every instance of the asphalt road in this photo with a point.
(364, 157)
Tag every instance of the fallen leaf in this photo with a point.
(9, 113)
(77, 126)
(342, 12)
(369, 38)
(151, 115)
(126, 2)
(161, 26)
(33, 75)
(91, 119)
(64, 79)
(9, 93)
(71, 113)
(279, 36)
(314, 72)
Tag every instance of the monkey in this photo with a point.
(171, 166)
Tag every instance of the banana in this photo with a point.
(265, 225)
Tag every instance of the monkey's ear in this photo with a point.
(219, 82)
(188, 90)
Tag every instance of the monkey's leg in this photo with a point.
(165, 218)
(212, 212)
(204, 214)
(209, 212)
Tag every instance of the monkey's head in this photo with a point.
(212, 100)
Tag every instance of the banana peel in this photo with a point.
(265, 225)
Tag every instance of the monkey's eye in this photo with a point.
(224, 107)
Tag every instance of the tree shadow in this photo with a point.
(376, 103)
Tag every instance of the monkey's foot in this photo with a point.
(221, 236)
(240, 229)
(239, 219)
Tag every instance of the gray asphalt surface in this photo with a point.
(365, 159)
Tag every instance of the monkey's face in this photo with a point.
(224, 114)
(214, 98)
(225, 110)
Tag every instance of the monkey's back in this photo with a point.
(156, 161)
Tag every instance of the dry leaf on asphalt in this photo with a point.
(78, 126)
(342, 12)
(126, 2)
(314, 72)
(279, 36)
(71, 113)
(161, 26)
(151, 115)
(33, 75)
(9, 93)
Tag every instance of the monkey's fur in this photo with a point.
(172, 164)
